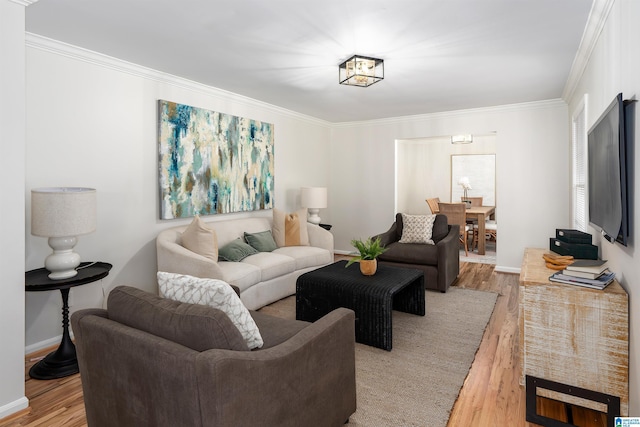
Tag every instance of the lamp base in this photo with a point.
(63, 261)
(313, 216)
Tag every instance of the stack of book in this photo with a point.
(591, 273)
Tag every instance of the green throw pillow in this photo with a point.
(235, 251)
(262, 241)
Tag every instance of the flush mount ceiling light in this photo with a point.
(462, 139)
(361, 71)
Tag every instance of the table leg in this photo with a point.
(411, 299)
(481, 234)
(62, 362)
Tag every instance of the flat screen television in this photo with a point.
(608, 171)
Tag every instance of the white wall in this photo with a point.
(12, 124)
(614, 67)
(92, 122)
(532, 158)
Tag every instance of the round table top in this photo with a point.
(38, 280)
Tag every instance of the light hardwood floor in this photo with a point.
(491, 395)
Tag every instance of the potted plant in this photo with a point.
(369, 250)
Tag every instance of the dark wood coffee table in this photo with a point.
(371, 297)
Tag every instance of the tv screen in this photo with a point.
(607, 173)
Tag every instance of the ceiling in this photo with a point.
(439, 55)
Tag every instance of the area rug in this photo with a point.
(472, 255)
(417, 383)
(488, 258)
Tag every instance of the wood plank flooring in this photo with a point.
(491, 395)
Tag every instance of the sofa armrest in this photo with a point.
(304, 371)
(76, 316)
(389, 236)
(175, 258)
(448, 257)
(319, 237)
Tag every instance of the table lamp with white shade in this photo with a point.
(61, 214)
(314, 199)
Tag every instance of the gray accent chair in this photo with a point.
(151, 361)
(440, 262)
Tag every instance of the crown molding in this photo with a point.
(24, 2)
(596, 21)
(534, 105)
(98, 59)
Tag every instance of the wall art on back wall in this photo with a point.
(212, 162)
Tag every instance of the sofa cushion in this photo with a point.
(307, 256)
(214, 293)
(417, 229)
(411, 253)
(236, 251)
(275, 329)
(271, 264)
(262, 241)
(194, 326)
(240, 274)
(199, 238)
(290, 229)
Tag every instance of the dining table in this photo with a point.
(481, 213)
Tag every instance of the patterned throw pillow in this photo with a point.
(201, 239)
(214, 293)
(417, 228)
(290, 229)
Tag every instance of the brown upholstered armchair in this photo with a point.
(150, 361)
(440, 262)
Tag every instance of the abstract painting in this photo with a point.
(212, 163)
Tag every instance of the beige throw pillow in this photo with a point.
(417, 229)
(201, 239)
(290, 229)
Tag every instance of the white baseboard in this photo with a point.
(13, 407)
(32, 348)
(511, 270)
(339, 252)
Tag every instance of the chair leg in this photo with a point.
(473, 239)
(463, 240)
(474, 244)
(466, 252)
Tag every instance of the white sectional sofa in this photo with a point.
(262, 278)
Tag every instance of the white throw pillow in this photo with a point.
(417, 229)
(214, 293)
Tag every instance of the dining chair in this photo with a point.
(490, 232)
(475, 201)
(433, 205)
(456, 213)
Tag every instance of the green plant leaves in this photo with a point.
(368, 249)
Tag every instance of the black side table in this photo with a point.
(62, 362)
